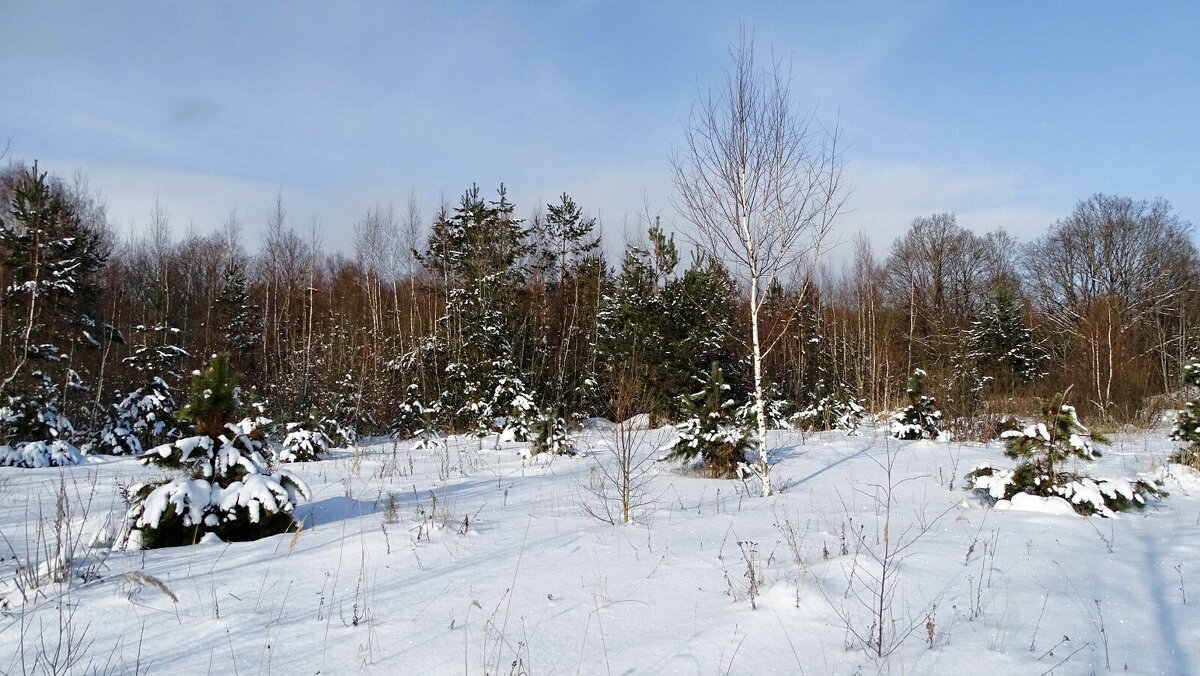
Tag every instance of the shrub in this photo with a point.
(35, 433)
(304, 442)
(832, 408)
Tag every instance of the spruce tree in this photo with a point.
(238, 320)
(921, 419)
(145, 415)
(1187, 427)
(712, 433)
(1000, 345)
(550, 436)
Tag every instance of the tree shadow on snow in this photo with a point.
(334, 509)
(812, 475)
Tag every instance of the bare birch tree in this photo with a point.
(761, 183)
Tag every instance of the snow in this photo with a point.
(1024, 502)
(255, 493)
(485, 562)
(598, 424)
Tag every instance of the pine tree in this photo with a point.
(631, 322)
(920, 419)
(478, 252)
(224, 491)
(1053, 440)
(1044, 448)
(49, 263)
(568, 276)
(563, 239)
(669, 328)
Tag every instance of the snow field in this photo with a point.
(469, 559)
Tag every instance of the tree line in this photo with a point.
(476, 320)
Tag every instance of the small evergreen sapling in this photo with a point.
(775, 409)
(340, 421)
(1187, 427)
(304, 441)
(146, 415)
(415, 418)
(512, 396)
(712, 433)
(550, 436)
(1044, 448)
(224, 491)
(921, 419)
(832, 408)
(35, 433)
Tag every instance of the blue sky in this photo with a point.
(1005, 113)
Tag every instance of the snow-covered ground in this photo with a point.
(481, 562)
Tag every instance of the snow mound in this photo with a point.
(598, 424)
(640, 421)
(1024, 502)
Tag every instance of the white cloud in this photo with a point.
(886, 196)
(201, 202)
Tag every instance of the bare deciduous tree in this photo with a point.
(1113, 265)
(762, 184)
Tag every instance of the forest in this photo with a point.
(470, 319)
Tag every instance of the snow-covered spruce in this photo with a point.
(1187, 427)
(224, 491)
(35, 433)
(339, 421)
(512, 396)
(38, 454)
(303, 442)
(831, 409)
(233, 497)
(712, 434)
(775, 408)
(412, 415)
(921, 419)
(1045, 446)
(550, 436)
(146, 413)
